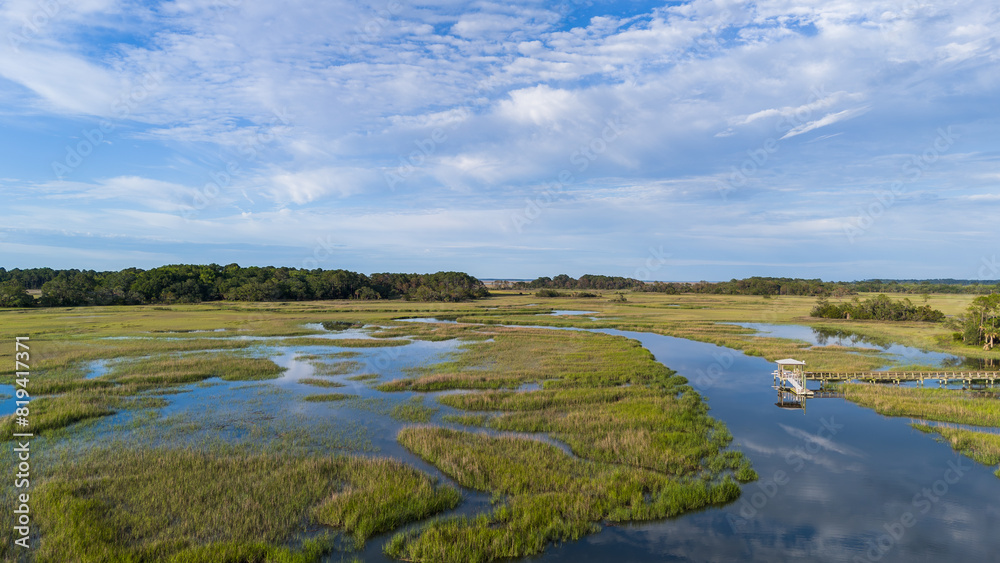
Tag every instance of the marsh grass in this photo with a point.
(466, 419)
(381, 495)
(376, 405)
(980, 446)
(413, 410)
(342, 355)
(327, 397)
(515, 356)
(336, 368)
(63, 379)
(49, 413)
(363, 377)
(166, 370)
(942, 405)
(320, 382)
(551, 496)
(55, 355)
(344, 342)
(340, 325)
(430, 332)
(223, 505)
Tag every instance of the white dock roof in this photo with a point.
(791, 362)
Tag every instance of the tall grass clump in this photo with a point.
(551, 496)
(320, 382)
(327, 397)
(166, 370)
(980, 446)
(413, 410)
(223, 505)
(336, 368)
(942, 405)
(382, 495)
(49, 413)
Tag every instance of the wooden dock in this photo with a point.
(942, 377)
(791, 377)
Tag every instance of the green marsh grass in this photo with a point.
(320, 382)
(942, 405)
(382, 495)
(52, 356)
(344, 342)
(336, 368)
(515, 356)
(363, 377)
(327, 397)
(223, 505)
(466, 419)
(342, 355)
(377, 405)
(983, 447)
(413, 410)
(165, 370)
(49, 413)
(550, 496)
(430, 332)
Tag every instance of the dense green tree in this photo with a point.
(13, 294)
(981, 322)
(187, 283)
(880, 307)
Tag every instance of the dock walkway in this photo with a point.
(942, 377)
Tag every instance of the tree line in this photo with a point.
(760, 286)
(880, 308)
(563, 281)
(189, 283)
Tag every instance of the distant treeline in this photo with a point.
(186, 283)
(562, 281)
(761, 286)
(880, 308)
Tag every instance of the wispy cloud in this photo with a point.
(828, 119)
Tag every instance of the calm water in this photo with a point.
(837, 481)
(896, 353)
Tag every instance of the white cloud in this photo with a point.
(311, 185)
(828, 119)
(64, 83)
(541, 106)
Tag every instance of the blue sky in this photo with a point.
(676, 141)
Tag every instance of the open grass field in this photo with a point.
(632, 440)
